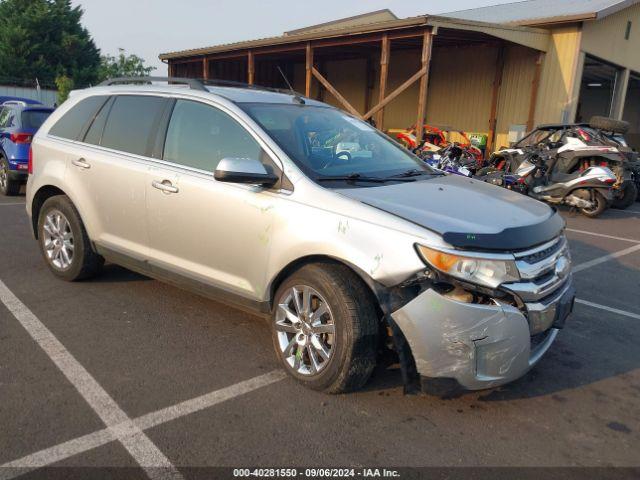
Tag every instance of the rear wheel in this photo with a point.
(625, 196)
(325, 328)
(8, 186)
(599, 205)
(64, 243)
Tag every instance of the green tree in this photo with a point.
(65, 85)
(45, 39)
(123, 66)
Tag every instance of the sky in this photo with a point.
(150, 27)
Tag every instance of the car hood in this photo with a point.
(468, 213)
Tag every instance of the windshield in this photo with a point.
(535, 138)
(329, 144)
(34, 118)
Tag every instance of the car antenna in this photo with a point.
(295, 94)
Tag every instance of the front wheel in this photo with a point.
(325, 328)
(625, 196)
(599, 206)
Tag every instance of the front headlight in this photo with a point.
(482, 271)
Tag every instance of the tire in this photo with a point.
(350, 315)
(626, 197)
(8, 187)
(601, 206)
(81, 262)
(609, 124)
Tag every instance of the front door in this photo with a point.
(213, 233)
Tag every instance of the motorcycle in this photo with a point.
(453, 158)
(588, 191)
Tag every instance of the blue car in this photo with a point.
(19, 121)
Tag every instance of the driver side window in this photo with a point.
(199, 136)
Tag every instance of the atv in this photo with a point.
(577, 147)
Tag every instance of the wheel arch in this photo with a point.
(376, 290)
(42, 195)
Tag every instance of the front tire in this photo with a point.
(64, 242)
(8, 187)
(325, 328)
(626, 196)
(600, 206)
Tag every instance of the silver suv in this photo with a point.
(301, 213)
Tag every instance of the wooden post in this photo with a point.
(535, 87)
(392, 96)
(250, 68)
(309, 67)
(205, 68)
(493, 117)
(335, 93)
(384, 71)
(427, 45)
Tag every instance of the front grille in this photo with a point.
(542, 254)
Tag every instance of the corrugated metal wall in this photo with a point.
(606, 38)
(515, 92)
(557, 83)
(46, 97)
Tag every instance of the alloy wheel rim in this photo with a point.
(305, 329)
(58, 240)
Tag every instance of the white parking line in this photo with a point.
(605, 258)
(584, 232)
(137, 443)
(608, 309)
(68, 449)
(10, 204)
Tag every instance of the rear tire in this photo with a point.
(347, 331)
(609, 124)
(8, 187)
(626, 196)
(64, 242)
(601, 206)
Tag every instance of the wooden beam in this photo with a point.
(493, 116)
(335, 92)
(392, 96)
(535, 87)
(205, 68)
(384, 71)
(308, 68)
(251, 68)
(427, 46)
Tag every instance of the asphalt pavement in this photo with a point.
(196, 383)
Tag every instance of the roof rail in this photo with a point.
(15, 102)
(192, 83)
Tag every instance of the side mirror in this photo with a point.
(244, 170)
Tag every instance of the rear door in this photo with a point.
(213, 234)
(110, 168)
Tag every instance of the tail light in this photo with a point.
(610, 180)
(30, 164)
(21, 137)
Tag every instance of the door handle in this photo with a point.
(81, 162)
(165, 186)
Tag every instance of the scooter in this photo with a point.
(589, 191)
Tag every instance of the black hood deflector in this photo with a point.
(510, 239)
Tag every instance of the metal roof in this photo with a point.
(541, 12)
(530, 37)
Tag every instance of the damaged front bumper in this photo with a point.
(477, 346)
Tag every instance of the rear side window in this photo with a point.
(94, 134)
(199, 136)
(34, 118)
(4, 115)
(131, 122)
(73, 123)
